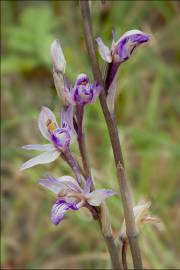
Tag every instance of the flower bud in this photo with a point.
(57, 56)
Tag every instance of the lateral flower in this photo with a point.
(141, 216)
(70, 196)
(60, 138)
(83, 92)
(122, 49)
(119, 52)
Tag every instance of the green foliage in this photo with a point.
(28, 42)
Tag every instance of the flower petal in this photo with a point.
(59, 209)
(43, 158)
(87, 188)
(46, 116)
(39, 147)
(104, 51)
(128, 42)
(64, 183)
(96, 197)
(70, 183)
(58, 58)
(67, 121)
(51, 184)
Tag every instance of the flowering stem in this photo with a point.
(113, 132)
(74, 165)
(124, 252)
(103, 220)
(81, 140)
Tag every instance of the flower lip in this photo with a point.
(61, 138)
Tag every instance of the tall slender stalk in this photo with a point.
(103, 220)
(113, 132)
(81, 140)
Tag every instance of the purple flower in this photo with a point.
(70, 196)
(83, 92)
(59, 137)
(119, 52)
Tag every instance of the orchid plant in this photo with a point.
(73, 193)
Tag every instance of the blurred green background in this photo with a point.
(147, 110)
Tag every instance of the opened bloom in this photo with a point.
(70, 196)
(122, 49)
(119, 52)
(60, 138)
(141, 216)
(83, 91)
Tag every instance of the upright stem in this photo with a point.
(81, 140)
(74, 165)
(103, 221)
(113, 132)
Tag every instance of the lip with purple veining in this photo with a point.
(70, 196)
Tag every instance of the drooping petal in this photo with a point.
(58, 58)
(112, 94)
(88, 185)
(43, 158)
(39, 147)
(96, 197)
(104, 51)
(47, 122)
(128, 42)
(67, 121)
(59, 209)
